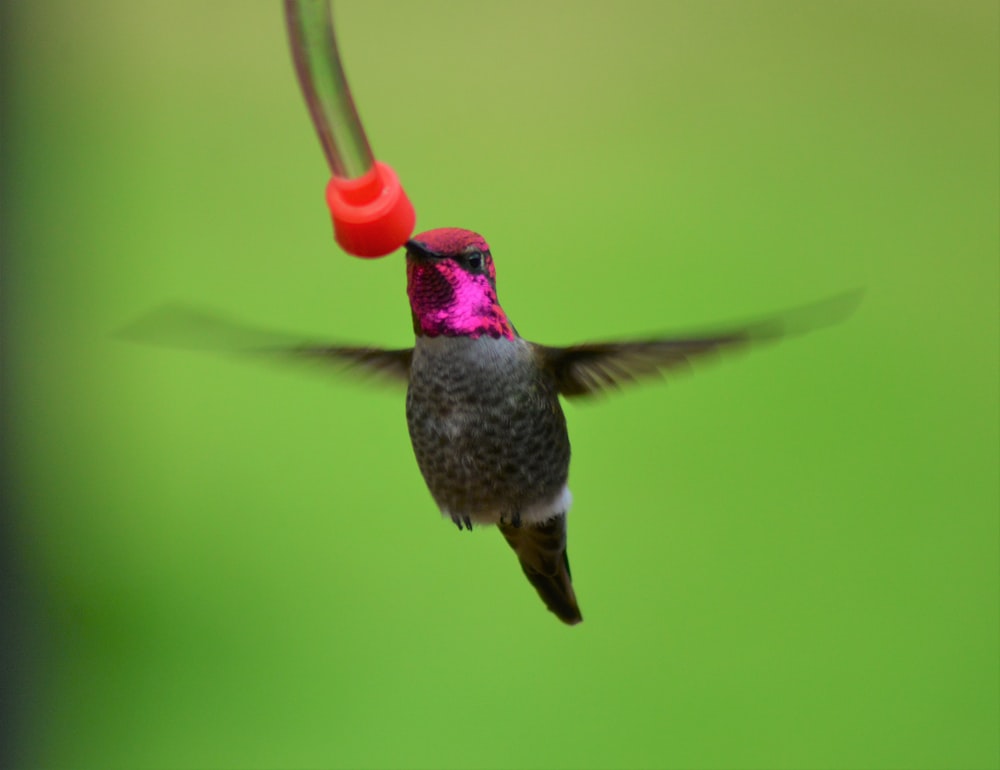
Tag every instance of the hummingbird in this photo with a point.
(483, 403)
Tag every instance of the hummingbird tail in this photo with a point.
(541, 549)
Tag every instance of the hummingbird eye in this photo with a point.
(474, 260)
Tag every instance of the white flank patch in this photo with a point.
(536, 513)
(539, 512)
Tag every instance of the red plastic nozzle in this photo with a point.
(372, 216)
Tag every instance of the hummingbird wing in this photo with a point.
(541, 549)
(394, 364)
(584, 370)
(184, 327)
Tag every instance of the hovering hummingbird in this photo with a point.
(482, 402)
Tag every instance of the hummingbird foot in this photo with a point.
(462, 521)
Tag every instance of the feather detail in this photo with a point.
(584, 370)
(541, 549)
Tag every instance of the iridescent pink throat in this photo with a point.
(446, 300)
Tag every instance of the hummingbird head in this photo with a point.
(451, 282)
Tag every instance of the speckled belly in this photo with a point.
(487, 429)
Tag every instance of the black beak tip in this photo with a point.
(418, 249)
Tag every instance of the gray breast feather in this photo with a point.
(487, 429)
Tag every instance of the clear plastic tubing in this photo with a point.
(321, 75)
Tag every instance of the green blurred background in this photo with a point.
(787, 560)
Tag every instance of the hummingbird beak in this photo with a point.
(419, 251)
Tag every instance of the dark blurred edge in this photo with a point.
(22, 645)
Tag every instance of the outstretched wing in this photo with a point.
(184, 327)
(393, 364)
(583, 370)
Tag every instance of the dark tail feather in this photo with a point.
(541, 549)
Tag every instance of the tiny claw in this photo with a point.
(458, 522)
(468, 523)
(516, 521)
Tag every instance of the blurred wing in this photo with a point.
(393, 364)
(583, 370)
(182, 327)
